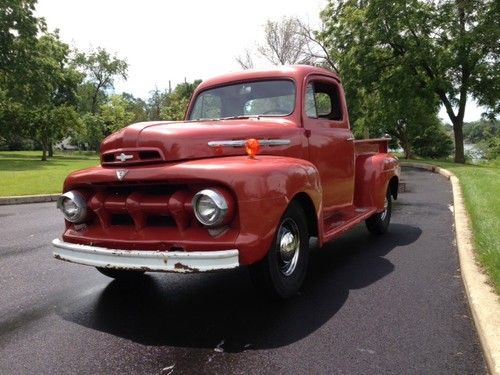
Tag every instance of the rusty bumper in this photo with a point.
(172, 261)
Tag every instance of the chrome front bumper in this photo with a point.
(173, 261)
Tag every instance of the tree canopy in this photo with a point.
(449, 48)
(101, 69)
(399, 60)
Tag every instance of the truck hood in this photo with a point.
(183, 140)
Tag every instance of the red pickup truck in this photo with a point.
(263, 161)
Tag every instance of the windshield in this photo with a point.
(248, 99)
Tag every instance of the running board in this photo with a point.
(344, 220)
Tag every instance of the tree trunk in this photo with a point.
(44, 150)
(44, 140)
(458, 123)
(459, 140)
(51, 150)
(95, 97)
(406, 150)
(93, 108)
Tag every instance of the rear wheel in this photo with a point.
(281, 273)
(120, 274)
(379, 223)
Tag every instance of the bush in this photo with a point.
(490, 147)
(17, 143)
(433, 143)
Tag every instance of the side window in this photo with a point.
(326, 101)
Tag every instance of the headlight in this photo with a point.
(72, 205)
(211, 207)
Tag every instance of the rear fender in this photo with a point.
(373, 175)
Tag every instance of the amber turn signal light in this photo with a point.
(252, 147)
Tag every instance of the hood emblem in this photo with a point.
(121, 173)
(124, 157)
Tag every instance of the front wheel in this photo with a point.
(120, 274)
(379, 222)
(281, 273)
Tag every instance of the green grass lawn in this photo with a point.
(481, 188)
(23, 173)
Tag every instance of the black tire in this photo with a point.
(281, 273)
(120, 274)
(379, 223)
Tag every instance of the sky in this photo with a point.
(166, 40)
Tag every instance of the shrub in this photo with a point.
(490, 147)
(433, 143)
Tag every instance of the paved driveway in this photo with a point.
(370, 305)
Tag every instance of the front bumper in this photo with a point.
(172, 261)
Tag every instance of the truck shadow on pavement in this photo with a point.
(202, 310)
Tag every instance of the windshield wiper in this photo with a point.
(240, 117)
(206, 119)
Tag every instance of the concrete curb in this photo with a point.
(483, 301)
(28, 199)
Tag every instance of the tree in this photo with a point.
(175, 104)
(136, 106)
(118, 111)
(86, 92)
(481, 130)
(40, 87)
(101, 69)
(449, 47)
(246, 62)
(50, 122)
(50, 97)
(290, 41)
(284, 44)
(433, 142)
(18, 33)
(92, 132)
(401, 108)
(155, 103)
(18, 37)
(114, 114)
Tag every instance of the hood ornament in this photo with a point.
(121, 173)
(124, 157)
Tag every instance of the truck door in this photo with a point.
(331, 146)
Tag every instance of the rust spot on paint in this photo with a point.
(184, 268)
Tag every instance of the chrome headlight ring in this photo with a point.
(210, 207)
(73, 206)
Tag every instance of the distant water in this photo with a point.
(470, 149)
(473, 152)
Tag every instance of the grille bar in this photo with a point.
(141, 207)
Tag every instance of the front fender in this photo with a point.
(263, 187)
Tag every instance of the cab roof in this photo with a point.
(296, 72)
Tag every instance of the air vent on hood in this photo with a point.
(131, 156)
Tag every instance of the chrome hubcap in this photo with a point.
(386, 206)
(289, 246)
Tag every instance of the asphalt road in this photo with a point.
(370, 305)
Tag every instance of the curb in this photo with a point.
(483, 301)
(28, 199)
